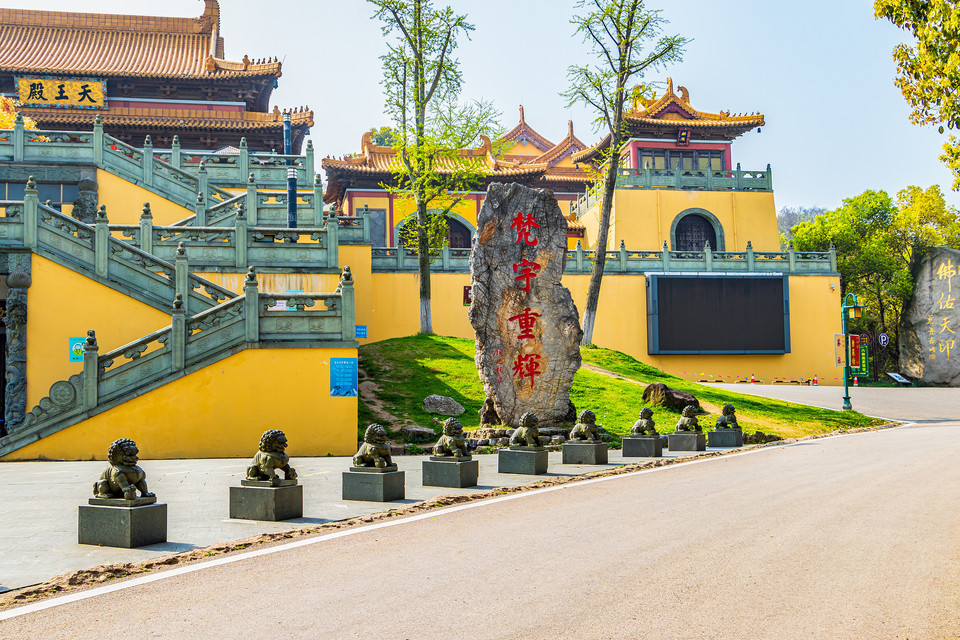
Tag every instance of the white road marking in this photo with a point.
(209, 564)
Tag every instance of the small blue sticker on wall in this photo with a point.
(343, 377)
(76, 348)
(361, 331)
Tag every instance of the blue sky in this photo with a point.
(821, 72)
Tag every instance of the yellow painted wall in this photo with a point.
(622, 324)
(521, 149)
(63, 304)
(124, 201)
(220, 411)
(645, 216)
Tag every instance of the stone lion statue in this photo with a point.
(526, 435)
(586, 428)
(271, 457)
(452, 442)
(123, 477)
(374, 452)
(645, 426)
(689, 420)
(728, 420)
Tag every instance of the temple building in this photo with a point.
(678, 182)
(355, 183)
(145, 76)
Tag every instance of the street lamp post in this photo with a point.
(854, 310)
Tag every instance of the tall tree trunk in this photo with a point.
(423, 255)
(600, 255)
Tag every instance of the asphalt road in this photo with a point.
(855, 536)
(922, 404)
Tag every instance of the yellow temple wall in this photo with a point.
(81, 304)
(124, 201)
(220, 411)
(643, 218)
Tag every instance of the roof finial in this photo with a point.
(522, 119)
(569, 128)
(669, 85)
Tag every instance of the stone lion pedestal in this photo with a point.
(687, 441)
(585, 453)
(266, 500)
(531, 461)
(642, 447)
(726, 437)
(374, 484)
(448, 471)
(116, 522)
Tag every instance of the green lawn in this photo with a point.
(409, 369)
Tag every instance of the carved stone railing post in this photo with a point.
(623, 257)
(251, 200)
(31, 199)
(18, 137)
(739, 178)
(333, 243)
(348, 325)
(445, 257)
(15, 320)
(241, 238)
(147, 161)
(251, 307)
(98, 141)
(178, 334)
(751, 261)
(201, 210)
(308, 160)
(317, 200)
(707, 256)
(244, 160)
(146, 229)
(679, 176)
(769, 184)
(579, 254)
(101, 243)
(709, 172)
(181, 276)
(202, 179)
(833, 258)
(91, 371)
(175, 152)
(665, 256)
(401, 254)
(792, 257)
(366, 224)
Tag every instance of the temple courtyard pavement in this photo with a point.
(841, 537)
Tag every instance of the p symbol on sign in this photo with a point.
(883, 339)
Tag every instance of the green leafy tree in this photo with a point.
(928, 73)
(422, 83)
(789, 217)
(384, 136)
(880, 244)
(625, 38)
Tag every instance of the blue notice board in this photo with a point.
(343, 377)
(76, 348)
(361, 331)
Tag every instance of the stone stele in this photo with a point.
(527, 326)
(931, 326)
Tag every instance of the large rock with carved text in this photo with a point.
(930, 329)
(527, 327)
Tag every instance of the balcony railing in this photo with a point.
(681, 179)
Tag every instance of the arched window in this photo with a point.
(459, 235)
(693, 232)
(694, 228)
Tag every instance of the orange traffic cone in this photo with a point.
(752, 379)
(815, 380)
(856, 382)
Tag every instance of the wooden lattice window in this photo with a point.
(693, 232)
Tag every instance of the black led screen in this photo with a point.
(718, 314)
